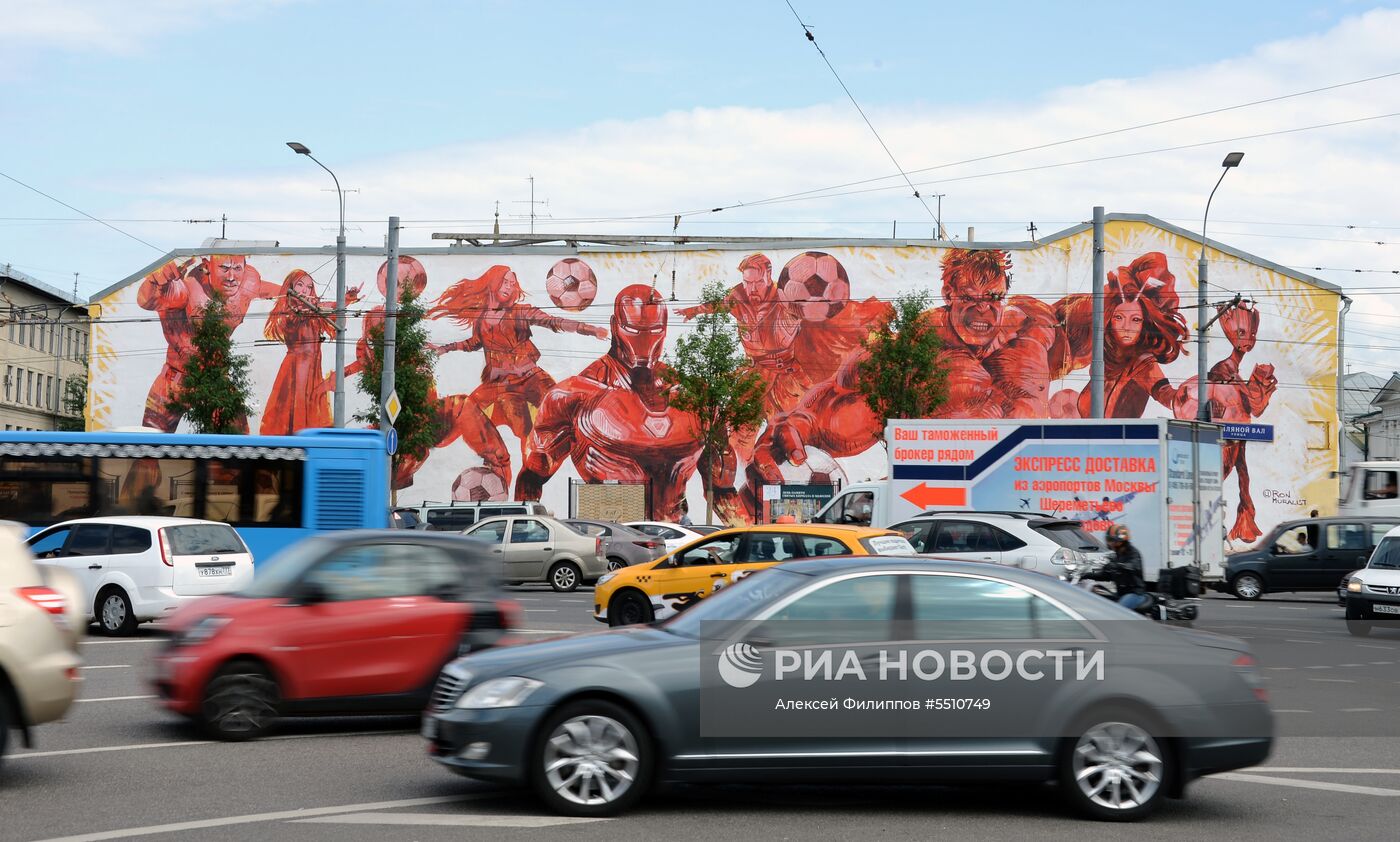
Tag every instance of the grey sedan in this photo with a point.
(623, 546)
(862, 670)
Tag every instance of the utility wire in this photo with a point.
(83, 212)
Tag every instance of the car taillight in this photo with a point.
(1248, 669)
(512, 616)
(46, 598)
(598, 546)
(165, 553)
(650, 545)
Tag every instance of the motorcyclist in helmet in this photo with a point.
(1125, 569)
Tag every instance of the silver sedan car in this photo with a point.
(535, 548)
(623, 546)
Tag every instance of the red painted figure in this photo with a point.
(512, 382)
(178, 293)
(299, 398)
(1000, 351)
(614, 421)
(1234, 400)
(458, 416)
(1144, 329)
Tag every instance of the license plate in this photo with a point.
(1386, 609)
(430, 728)
(215, 571)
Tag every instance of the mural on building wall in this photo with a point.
(549, 369)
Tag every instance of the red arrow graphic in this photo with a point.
(925, 496)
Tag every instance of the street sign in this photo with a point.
(391, 442)
(392, 406)
(1247, 432)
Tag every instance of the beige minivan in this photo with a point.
(41, 622)
(536, 548)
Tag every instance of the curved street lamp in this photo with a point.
(338, 404)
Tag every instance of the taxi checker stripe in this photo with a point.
(964, 473)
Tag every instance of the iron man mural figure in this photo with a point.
(613, 419)
(178, 293)
(512, 382)
(1235, 400)
(1000, 351)
(458, 416)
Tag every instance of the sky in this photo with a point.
(145, 113)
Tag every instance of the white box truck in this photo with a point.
(1139, 472)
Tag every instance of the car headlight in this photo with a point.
(1353, 586)
(204, 630)
(605, 578)
(506, 692)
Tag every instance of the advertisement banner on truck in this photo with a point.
(1181, 501)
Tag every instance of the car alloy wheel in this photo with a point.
(629, 608)
(564, 577)
(1248, 586)
(240, 703)
(616, 564)
(1116, 770)
(593, 758)
(114, 613)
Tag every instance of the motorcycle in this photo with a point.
(1159, 606)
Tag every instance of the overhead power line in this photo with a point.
(81, 211)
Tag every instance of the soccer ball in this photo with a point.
(571, 284)
(814, 285)
(819, 469)
(478, 485)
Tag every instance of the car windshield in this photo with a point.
(1069, 535)
(1387, 555)
(737, 602)
(276, 577)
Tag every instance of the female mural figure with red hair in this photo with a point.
(300, 396)
(512, 382)
(1143, 331)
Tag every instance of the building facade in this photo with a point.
(550, 374)
(44, 351)
(1382, 423)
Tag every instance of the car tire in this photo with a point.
(629, 608)
(1247, 586)
(1357, 625)
(4, 726)
(115, 616)
(615, 563)
(602, 742)
(1121, 745)
(564, 577)
(239, 702)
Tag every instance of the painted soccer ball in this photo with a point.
(478, 485)
(815, 286)
(819, 469)
(571, 284)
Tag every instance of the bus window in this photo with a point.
(42, 491)
(263, 492)
(150, 486)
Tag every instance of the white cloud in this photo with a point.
(707, 157)
(112, 26)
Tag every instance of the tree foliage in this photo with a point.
(904, 375)
(74, 402)
(710, 376)
(417, 424)
(216, 392)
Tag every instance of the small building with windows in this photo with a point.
(44, 349)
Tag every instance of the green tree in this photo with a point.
(710, 376)
(904, 375)
(216, 391)
(417, 424)
(75, 404)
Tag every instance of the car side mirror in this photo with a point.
(310, 593)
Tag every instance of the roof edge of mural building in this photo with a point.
(568, 244)
(9, 274)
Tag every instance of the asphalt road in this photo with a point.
(120, 768)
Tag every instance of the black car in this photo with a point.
(592, 721)
(1305, 555)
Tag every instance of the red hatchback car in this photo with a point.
(348, 623)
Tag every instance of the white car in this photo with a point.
(136, 569)
(675, 535)
(1373, 592)
(1030, 541)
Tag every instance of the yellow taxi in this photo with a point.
(660, 589)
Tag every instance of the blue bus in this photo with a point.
(274, 490)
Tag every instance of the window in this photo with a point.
(1007, 541)
(965, 608)
(1347, 536)
(847, 611)
(243, 492)
(9, 376)
(204, 539)
(1379, 530)
(1295, 542)
(917, 531)
(587, 528)
(435, 572)
(960, 536)
(856, 507)
(148, 486)
(130, 539)
(1069, 535)
(498, 511)
(50, 544)
(451, 520)
(1380, 485)
(89, 539)
(713, 551)
(816, 546)
(373, 571)
(492, 533)
(29, 387)
(525, 531)
(770, 546)
(23, 331)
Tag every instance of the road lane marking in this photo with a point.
(1290, 608)
(1334, 680)
(1374, 646)
(1351, 665)
(1330, 787)
(1361, 710)
(449, 820)
(1382, 663)
(120, 642)
(107, 667)
(541, 610)
(1312, 642)
(1320, 667)
(253, 818)
(115, 699)
(1292, 711)
(1325, 770)
(1279, 669)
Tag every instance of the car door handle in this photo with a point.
(498, 550)
(94, 567)
(719, 575)
(549, 549)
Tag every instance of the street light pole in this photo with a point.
(1202, 324)
(338, 404)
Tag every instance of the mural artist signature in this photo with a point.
(1283, 497)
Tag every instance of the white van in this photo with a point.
(136, 569)
(1372, 489)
